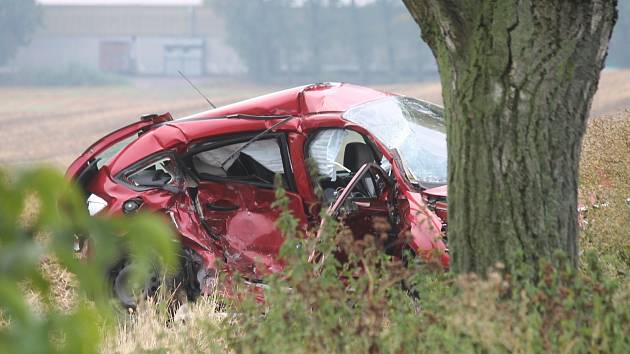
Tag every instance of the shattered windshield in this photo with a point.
(412, 127)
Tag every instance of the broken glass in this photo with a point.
(414, 128)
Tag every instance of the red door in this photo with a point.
(241, 216)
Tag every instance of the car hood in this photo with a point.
(437, 192)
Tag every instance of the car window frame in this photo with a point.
(123, 176)
(313, 133)
(224, 140)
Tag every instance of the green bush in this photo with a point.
(371, 303)
(375, 303)
(40, 214)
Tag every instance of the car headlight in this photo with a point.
(95, 204)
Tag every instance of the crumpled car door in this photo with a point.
(361, 212)
(366, 194)
(242, 218)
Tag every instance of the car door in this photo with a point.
(367, 205)
(365, 201)
(411, 224)
(236, 196)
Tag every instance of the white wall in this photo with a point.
(49, 53)
(55, 53)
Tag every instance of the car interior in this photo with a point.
(156, 174)
(257, 163)
(344, 156)
(338, 154)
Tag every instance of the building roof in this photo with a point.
(123, 2)
(130, 21)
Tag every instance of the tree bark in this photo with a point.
(518, 77)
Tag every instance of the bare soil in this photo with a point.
(54, 125)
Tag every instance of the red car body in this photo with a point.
(225, 218)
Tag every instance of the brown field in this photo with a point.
(54, 125)
(613, 94)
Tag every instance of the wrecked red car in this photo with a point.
(374, 154)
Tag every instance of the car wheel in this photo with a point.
(128, 292)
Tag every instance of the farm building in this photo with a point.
(131, 38)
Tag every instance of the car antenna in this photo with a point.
(196, 89)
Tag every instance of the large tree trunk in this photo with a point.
(518, 77)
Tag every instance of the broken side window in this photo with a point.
(159, 173)
(338, 154)
(106, 156)
(258, 162)
(330, 150)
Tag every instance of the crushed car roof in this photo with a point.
(299, 101)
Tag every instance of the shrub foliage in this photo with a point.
(375, 303)
(40, 216)
(370, 303)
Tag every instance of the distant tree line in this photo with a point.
(319, 40)
(312, 40)
(345, 40)
(18, 21)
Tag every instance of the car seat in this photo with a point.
(355, 156)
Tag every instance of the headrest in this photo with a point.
(357, 155)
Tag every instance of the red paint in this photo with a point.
(437, 191)
(438, 197)
(243, 218)
(239, 218)
(112, 138)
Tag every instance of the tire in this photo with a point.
(130, 294)
(184, 283)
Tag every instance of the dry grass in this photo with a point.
(605, 190)
(150, 328)
(605, 165)
(62, 284)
